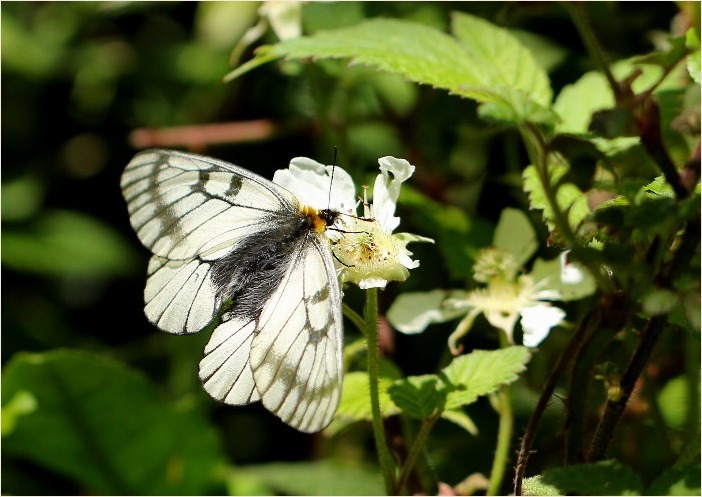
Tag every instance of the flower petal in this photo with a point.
(386, 190)
(309, 181)
(412, 312)
(537, 322)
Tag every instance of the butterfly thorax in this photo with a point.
(319, 220)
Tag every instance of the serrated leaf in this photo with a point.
(569, 198)
(482, 372)
(600, 478)
(419, 396)
(94, 418)
(317, 478)
(506, 61)
(500, 72)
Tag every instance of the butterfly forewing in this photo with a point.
(221, 234)
(182, 206)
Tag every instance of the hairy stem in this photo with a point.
(370, 313)
(579, 17)
(589, 322)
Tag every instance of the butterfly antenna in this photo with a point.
(331, 181)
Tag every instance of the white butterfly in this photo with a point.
(223, 235)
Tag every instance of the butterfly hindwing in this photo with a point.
(224, 371)
(179, 295)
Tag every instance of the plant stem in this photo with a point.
(416, 449)
(504, 433)
(590, 321)
(579, 18)
(504, 437)
(370, 314)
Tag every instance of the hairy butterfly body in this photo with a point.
(221, 235)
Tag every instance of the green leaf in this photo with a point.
(514, 234)
(412, 312)
(600, 478)
(105, 427)
(317, 478)
(68, 243)
(504, 59)
(482, 372)
(355, 401)
(569, 198)
(488, 65)
(677, 51)
(683, 480)
(419, 396)
(461, 419)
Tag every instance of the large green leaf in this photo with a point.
(105, 427)
(315, 478)
(485, 63)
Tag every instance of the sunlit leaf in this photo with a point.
(355, 401)
(482, 372)
(500, 72)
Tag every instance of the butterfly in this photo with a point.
(227, 241)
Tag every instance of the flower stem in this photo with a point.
(504, 434)
(370, 314)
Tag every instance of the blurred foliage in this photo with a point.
(95, 400)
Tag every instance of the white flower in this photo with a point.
(505, 296)
(503, 301)
(367, 253)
